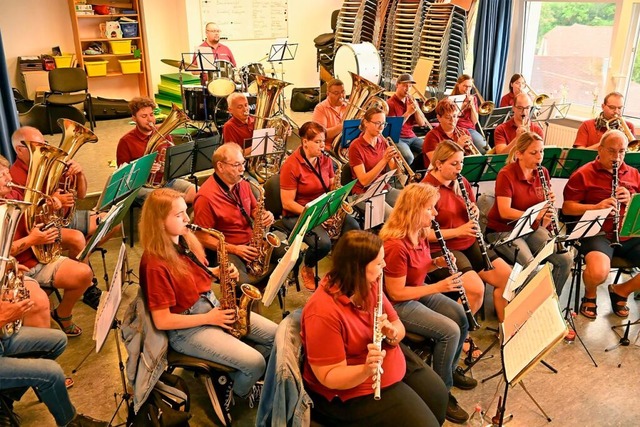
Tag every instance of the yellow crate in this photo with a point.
(120, 46)
(64, 61)
(130, 66)
(96, 68)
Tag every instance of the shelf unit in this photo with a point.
(86, 30)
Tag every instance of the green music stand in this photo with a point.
(570, 160)
(125, 180)
(632, 158)
(493, 166)
(473, 168)
(551, 157)
(631, 222)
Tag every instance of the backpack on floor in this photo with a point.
(166, 406)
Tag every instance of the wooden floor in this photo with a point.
(580, 394)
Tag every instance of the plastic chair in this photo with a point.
(69, 86)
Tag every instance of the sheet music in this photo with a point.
(374, 211)
(519, 275)
(109, 303)
(597, 215)
(260, 138)
(539, 332)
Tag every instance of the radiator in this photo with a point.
(560, 136)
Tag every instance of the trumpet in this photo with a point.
(403, 166)
(469, 147)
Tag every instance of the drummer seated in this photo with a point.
(239, 128)
(133, 144)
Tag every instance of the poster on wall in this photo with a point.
(247, 19)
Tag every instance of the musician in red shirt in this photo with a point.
(590, 131)
(505, 135)
(330, 113)
(340, 357)
(588, 188)
(516, 85)
(220, 51)
(468, 115)
(447, 115)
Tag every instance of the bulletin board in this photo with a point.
(247, 19)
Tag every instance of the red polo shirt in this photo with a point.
(397, 107)
(464, 118)
(296, 174)
(334, 329)
(506, 132)
(437, 135)
(221, 52)
(511, 183)
(133, 145)
(163, 290)
(404, 259)
(328, 117)
(588, 135)
(237, 131)
(26, 257)
(452, 212)
(213, 207)
(507, 100)
(591, 183)
(362, 153)
(18, 171)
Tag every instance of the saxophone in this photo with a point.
(241, 327)
(11, 281)
(333, 224)
(261, 239)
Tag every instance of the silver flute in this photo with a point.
(377, 339)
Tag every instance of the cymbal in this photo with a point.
(172, 62)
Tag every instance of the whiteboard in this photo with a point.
(247, 19)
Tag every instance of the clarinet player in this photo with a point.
(591, 187)
(341, 359)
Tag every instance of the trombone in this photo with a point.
(486, 107)
(538, 100)
(634, 144)
(428, 105)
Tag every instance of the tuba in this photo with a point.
(333, 224)
(269, 90)
(11, 281)
(175, 118)
(74, 136)
(363, 96)
(261, 239)
(228, 300)
(44, 158)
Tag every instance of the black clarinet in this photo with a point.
(616, 215)
(555, 227)
(479, 237)
(453, 269)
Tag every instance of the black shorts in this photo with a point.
(629, 249)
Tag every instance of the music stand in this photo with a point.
(350, 131)
(496, 118)
(279, 52)
(631, 221)
(202, 62)
(373, 192)
(569, 160)
(523, 225)
(189, 158)
(124, 180)
(473, 168)
(550, 111)
(632, 159)
(393, 128)
(551, 158)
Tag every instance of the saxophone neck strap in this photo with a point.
(234, 196)
(183, 249)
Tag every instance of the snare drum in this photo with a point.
(249, 72)
(222, 81)
(361, 59)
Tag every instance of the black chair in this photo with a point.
(6, 405)
(44, 117)
(324, 44)
(70, 86)
(215, 377)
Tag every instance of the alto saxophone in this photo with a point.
(262, 240)
(12, 287)
(333, 224)
(241, 326)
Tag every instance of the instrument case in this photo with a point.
(304, 99)
(105, 108)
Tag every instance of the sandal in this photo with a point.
(618, 304)
(68, 382)
(72, 330)
(472, 351)
(589, 312)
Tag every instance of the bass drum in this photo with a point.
(222, 81)
(361, 58)
(194, 105)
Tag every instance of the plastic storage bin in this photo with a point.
(130, 66)
(120, 46)
(64, 61)
(129, 29)
(96, 68)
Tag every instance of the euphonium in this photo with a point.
(44, 158)
(228, 301)
(269, 90)
(333, 224)
(11, 282)
(403, 166)
(74, 136)
(176, 118)
(262, 240)
(363, 96)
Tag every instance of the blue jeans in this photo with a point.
(214, 344)
(478, 141)
(528, 247)
(27, 360)
(410, 147)
(315, 252)
(442, 319)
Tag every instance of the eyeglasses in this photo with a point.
(379, 124)
(336, 92)
(212, 31)
(236, 165)
(519, 108)
(614, 152)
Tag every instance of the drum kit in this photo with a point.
(208, 102)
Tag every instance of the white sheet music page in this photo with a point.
(597, 215)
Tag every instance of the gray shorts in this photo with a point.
(44, 273)
(80, 221)
(178, 184)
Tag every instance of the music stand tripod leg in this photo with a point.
(535, 401)
(624, 338)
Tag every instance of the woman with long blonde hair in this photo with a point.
(422, 307)
(177, 285)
